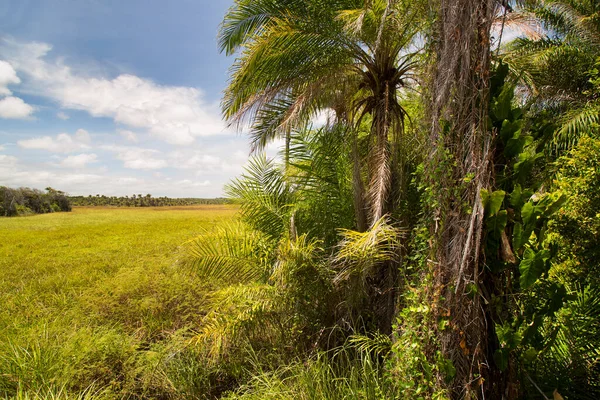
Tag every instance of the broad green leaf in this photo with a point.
(519, 196)
(485, 198)
(555, 205)
(519, 238)
(530, 355)
(492, 201)
(502, 105)
(533, 265)
(501, 358)
(497, 223)
(517, 113)
(508, 130)
(516, 144)
(508, 337)
(516, 197)
(528, 214)
(525, 164)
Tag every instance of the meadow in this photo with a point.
(95, 304)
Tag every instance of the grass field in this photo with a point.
(94, 300)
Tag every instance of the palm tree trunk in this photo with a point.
(458, 112)
(288, 139)
(379, 188)
(358, 187)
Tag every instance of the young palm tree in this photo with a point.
(297, 58)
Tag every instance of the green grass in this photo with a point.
(94, 302)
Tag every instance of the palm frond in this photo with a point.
(265, 200)
(574, 354)
(578, 123)
(378, 344)
(245, 19)
(229, 254)
(320, 171)
(296, 259)
(240, 313)
(359, 252)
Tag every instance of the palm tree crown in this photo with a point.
(297, 58)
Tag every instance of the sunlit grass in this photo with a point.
(89, 298)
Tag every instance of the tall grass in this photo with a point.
(341, 374)
(95, 306)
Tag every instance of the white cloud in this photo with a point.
(1, 148)
(11, 107)
(128, 135)
(174, 114)
(8, 168)
(190, 183)
(79, 161)
(8, 76)
(62, 115)
(195, 160)
(220, 159)
(82, 136)
(137, 158)
(14, 108)
(7, 161)
(63, 143)
(13, 173)
(323, 118)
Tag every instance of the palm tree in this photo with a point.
(557, 67)
(297, 58)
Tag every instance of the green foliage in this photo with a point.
(321, 175)
(297, 59)
(262, 191)
(576, 229)
(139, 200)
(360, 252)
(26, 201)
(230, 254)
(567, 358)
(343, 373)
(285, 302)
(536, 326)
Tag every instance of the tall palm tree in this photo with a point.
(297, 58)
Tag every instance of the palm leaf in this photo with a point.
(241, 313)
(578, 123)
(229, 254)
(359, 252)
(265, 200)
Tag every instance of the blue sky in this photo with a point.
(115, 97)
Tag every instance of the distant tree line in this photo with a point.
(139, 200)
(26, 201)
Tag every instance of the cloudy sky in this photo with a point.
(115, 97)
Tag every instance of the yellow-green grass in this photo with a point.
(89, 298)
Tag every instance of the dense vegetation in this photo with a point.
(26, 201)
(436, 239)
(139, 200)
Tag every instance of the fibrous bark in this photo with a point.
(459, 167)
